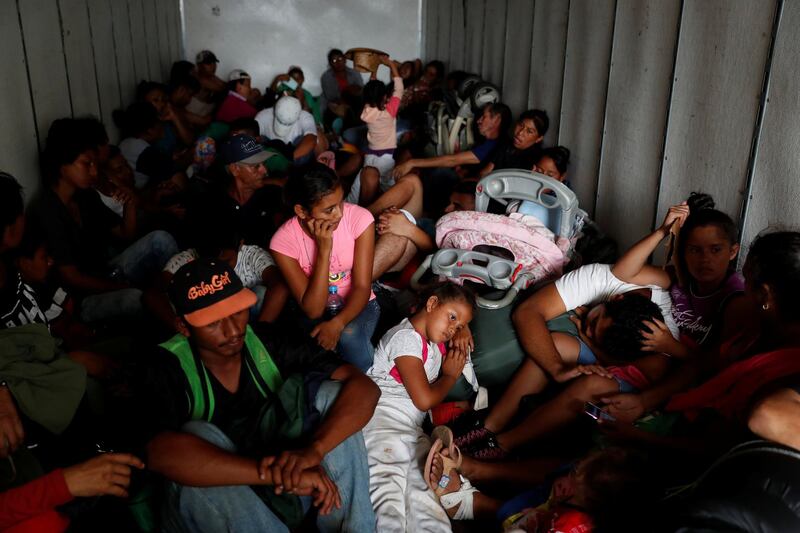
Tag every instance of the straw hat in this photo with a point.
(365, 59)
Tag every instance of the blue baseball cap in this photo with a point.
(243, 149)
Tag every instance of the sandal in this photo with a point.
(443, 439)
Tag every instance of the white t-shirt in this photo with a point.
(251, 263)
(592, 284)
(304, 126)
(132, 148)
(402, 340)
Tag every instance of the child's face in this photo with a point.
(548, 167)
(708, 252)
(35, 269)
(158, 99)
(329, 207)
(445, 319)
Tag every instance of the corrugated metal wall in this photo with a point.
(75, 58)
(655, 98)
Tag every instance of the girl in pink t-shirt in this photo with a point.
(330, 243)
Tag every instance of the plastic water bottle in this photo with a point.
(335, 302)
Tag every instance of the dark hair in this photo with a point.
(146, 87)
(559, 155)
(334, 52)
(245, 123)
(11, 202)
(66, 140)
(448, 292)
(294, 69)
(188, 81)
(438, 65)
(499, 108)
(774, 261)
(465, 187)
(179, 71)
(137, 119)
(33, 239)
(309, 183)
(623, 338)
(539, 119)
(701, 214)
(113, 151)
(93, 130)
(375, 92)
(615, 481)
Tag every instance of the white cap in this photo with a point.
(238, 74)
(287, 112)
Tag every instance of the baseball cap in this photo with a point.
(206, 56)
(238, 74)
(287, 112)
(243, 149)
(206, 290)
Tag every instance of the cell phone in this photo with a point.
(596, 412)
(291, 84)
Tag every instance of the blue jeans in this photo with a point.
(355, 343)
(137, 263)
(146, 257)
(238, 509)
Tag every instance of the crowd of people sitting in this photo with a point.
(206, 327)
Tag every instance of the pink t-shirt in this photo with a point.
(382, 124)
(291, 241)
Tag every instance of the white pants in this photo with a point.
(397, 449)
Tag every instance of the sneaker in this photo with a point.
(472, 436)
(464, 424)
(486, 450)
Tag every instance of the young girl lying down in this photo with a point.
(414, 375)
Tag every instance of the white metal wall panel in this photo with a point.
(719, 72)
(550, 19)
(45, 56)
(473, 54)
(141, 59)
(494, 41)
(105, 61)
(18, 149)
(152, 40)
(458, 31)
(642, 59)
(517, 57)
(591, 25)
(775, 190)
(163, 19)
(443, 30)
(79, 57)
(123, 51)
(430, 25)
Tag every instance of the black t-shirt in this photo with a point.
(236, 414)
(254, 221)
(86, 244)
(18, 303)
(506, 156)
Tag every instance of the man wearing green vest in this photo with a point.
(254, 424)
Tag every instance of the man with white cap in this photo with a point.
(237, 105)
(287, 122)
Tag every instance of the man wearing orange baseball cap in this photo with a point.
(228, 403)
